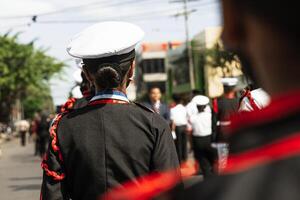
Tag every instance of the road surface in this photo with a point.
(20, 172)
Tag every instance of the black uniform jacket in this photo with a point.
(264, 161)
(101, 146)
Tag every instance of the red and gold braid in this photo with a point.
(53, 174)
(68, 106)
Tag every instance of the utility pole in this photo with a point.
(190, 62)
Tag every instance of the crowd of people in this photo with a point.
(35, 130)
(198, 125)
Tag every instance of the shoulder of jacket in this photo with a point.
(140, 105)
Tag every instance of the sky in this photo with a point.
(57, 21)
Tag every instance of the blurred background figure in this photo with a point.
(201, 123)
(43, 133)
(33, 132)
(87, 90)
(253, 99)
(191, 106)
(227, 105)
(76, 90)
(179, 123)
(22, 128)
(156, 104)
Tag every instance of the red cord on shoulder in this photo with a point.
(68, 106)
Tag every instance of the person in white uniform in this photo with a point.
(254, 100)
(179, 127)
(202, 135)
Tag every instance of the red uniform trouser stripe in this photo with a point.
(278, 150)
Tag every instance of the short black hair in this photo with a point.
(196, 92)
(154, 87)
(110, 71)
(177, 98)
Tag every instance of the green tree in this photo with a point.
(219, 57)
(25, 72)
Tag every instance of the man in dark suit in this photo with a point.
(155, 103)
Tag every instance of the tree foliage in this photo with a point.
(219, 57)
(24, 74)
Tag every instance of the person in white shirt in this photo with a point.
(253, 100)
(179, 123)
(201, 123)
(23, 127)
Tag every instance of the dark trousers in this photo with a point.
(37, 146)
(43, 142)
(23, 137)
(204, 154)
(181, 143)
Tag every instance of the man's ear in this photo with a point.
(233, 26)
(131, 70)
(88, 76)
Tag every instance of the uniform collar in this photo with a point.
(281, 107)
(110, 94)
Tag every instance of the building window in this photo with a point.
(150, 66)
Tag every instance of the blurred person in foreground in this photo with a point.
(264, 144)
(264, 158)
(155, 103)
(111, 140)
(179, 127)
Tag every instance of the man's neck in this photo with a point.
(120, 89)
(155, 102)
(230, 95)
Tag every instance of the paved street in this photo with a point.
(20, 172)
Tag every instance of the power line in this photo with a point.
(52, 12)
(79, 7)
(139, 15)
(135, 15)
(15, 26)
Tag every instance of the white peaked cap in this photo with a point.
(105, 39)
(229, 81)
(200, 100)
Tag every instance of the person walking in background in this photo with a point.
(43, 134)
(23, 128)
(226, 106)
(33, 132)
(179, 127)
(201, 123)
(191, 107)
(156, 104)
